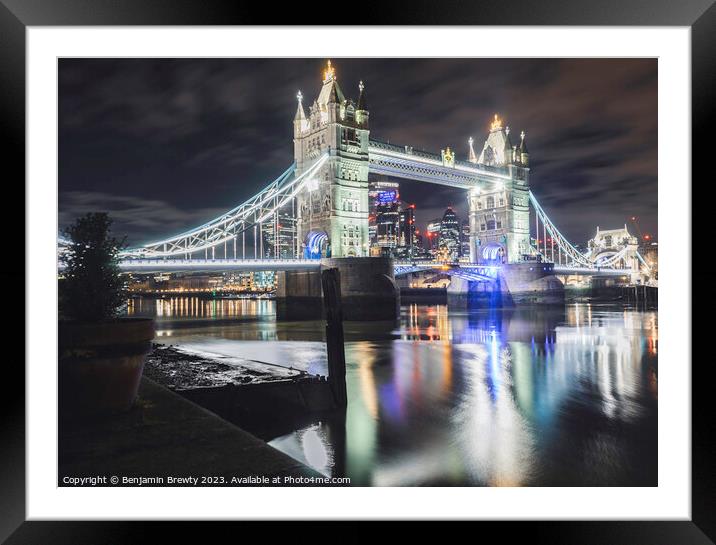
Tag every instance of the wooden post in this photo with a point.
(331, 283)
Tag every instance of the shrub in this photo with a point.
(91, 289)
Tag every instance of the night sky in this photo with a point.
(167, 144)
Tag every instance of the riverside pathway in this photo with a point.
(166, 439)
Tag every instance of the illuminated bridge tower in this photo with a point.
(333, 208)
(499, 210)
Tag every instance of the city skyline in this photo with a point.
(137, 137)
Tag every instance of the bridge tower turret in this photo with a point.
(524, 156)
(333, 208)
(499, 210)
(300, 123)
(471, 156)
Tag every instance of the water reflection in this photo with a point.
(198, 308)
(528, 397)
(505, 398)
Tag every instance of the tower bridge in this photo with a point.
(324, 193)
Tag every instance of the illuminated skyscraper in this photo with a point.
(384, 199)
(433, 236)
(465, 238)
(283, 247)
(450, 234)
(407, 226)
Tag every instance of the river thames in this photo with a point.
(524, 397)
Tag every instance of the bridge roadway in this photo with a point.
(201, 265)
(401, 267)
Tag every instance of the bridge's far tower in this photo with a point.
(499, 209)
(333, 208)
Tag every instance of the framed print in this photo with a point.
(433, 267)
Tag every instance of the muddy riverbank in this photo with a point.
(181, 369)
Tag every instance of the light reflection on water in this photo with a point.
(504, 398)
(187, 307)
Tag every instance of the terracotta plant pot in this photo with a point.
(101, 364)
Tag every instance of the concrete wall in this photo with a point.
(270, 408)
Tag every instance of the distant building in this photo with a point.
(465, 238)
(384, 216)
(615, 248)
(611, 239)
(283, 247)
(193, 282)
(433, 236)
(650, 252)
(263, 280)
(381, 192)
(450, 235)
(419, 250)
(406, 239)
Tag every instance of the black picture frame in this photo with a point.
(17, 15)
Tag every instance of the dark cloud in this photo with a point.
(164, 144)
(135, 215)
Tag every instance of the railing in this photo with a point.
(591, 271)
(246, 264)
(378, 144)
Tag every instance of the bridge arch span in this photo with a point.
(316, 245)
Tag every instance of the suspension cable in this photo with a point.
(225, 227)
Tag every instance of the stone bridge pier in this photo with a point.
(516, 284)
(368, 290)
